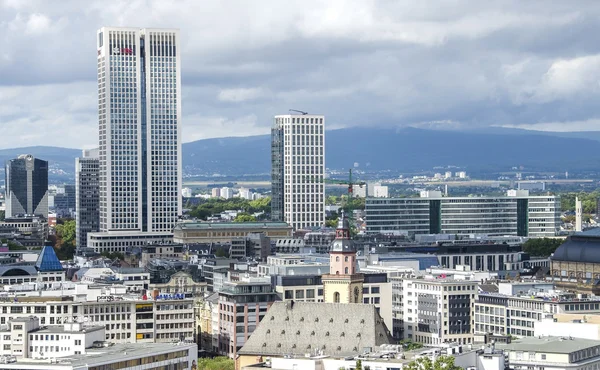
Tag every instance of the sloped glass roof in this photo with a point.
(47, 261)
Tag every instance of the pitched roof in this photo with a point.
(337, 329)
(47, 260)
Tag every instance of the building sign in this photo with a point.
(124, 51)
(170, 296)
(108, 298)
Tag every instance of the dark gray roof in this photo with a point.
(338, 329)
(579, 248)
(489, 288)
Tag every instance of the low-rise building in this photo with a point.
(502, 314)
(298, 328)
(224, 232)
(24, 338)
(553, 353)
(119, 356)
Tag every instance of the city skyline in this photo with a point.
(372, 64)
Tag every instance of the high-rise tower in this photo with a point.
(26, 187)
(298, 170)
(139, 84)
(87, 197)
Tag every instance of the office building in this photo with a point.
(438, 310)
(380, 191)
(517, 213)
(65, 201)
(225, 232)
(298, 170)
(139, 87)
(87, 195)
(516, 315)
(26, 180)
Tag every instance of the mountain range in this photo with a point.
(378, 149)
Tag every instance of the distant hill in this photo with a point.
(407, 149)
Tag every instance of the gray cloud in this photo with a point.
(533, 64)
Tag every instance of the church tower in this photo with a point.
(343, 284)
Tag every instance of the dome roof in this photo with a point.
(579, 248)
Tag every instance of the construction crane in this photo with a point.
(350, 182)
(299, 111)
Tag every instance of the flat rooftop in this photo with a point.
(231, 225)
(107, 355)
(560, 345)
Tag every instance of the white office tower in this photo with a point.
(298, 169)
(139, 87)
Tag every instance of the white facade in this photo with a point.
(437, 311)
(226, 193)
(186, 192)
(139, 99)
(301, 191)
(359, 191)
(380, 191)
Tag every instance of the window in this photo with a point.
(299, 294)
(77, 342)
(289, 294)
(336, 297)
(375, 290)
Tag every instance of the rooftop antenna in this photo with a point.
(299, 111)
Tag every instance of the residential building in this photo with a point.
(298, 170)
(226, 193)
(242, 305)
(186, 192)
(216, 192)
(553, 353)
(139, 92)
(207, 323)
(297, 328)
(438, 310)
(26, 181)
(87, 196)
(225, 232)
(517, 213)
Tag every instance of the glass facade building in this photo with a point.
(139, 103)
(87, 195)
(522, 215)
(298, 170)
(26, 187)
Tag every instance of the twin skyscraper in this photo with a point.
(139, 113)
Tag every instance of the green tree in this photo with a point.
(440, 363)
(65, 239)
(217, 363)
(244, 217)
(541, 247)
(358, 364)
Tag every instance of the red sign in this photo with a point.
(126, 51)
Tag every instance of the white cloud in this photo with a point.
(569, 126)
(359, 62)
(241, 94)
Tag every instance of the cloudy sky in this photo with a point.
(448, 64)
